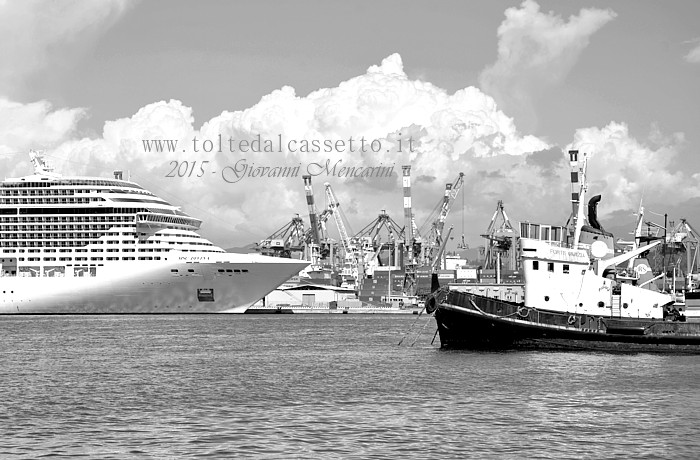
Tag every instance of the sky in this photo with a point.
(498, 90)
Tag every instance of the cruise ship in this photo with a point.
(88, 245)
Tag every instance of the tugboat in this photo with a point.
(575, 297)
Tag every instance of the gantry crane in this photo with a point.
(500, 239)
(369, 240)
(373, 229)
(290, 238)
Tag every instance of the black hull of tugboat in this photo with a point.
(467, 321)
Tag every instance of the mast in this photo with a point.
(579, 186)
(637, 233)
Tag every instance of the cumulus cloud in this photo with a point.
(32, 35)
(448, 131)
(382, 104)
(461, 132)
(546, 160)
(624, 169)
(32, 126)
(535, 51)
(693, 55)
(33, 31)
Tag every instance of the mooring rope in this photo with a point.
(420, 332)
(412, 325)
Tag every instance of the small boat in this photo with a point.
(574, 298)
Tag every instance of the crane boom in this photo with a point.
(451, 191)
(436, 240)
(441, 250)
(334, 207)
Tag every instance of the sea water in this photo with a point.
(326, 386)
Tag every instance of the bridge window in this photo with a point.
(550, 266)
(535, 265)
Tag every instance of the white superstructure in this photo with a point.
(95, 245)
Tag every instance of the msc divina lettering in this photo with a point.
(86, 245)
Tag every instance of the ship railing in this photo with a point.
(314, 305)
(163, 220)
(496, 307)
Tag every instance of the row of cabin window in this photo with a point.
(49, 232)
(54, 228)
(11, 251)
(27, 236)
(190, 243)
(77, 259)
(70, 219)
(50, 200)
(67, 192)
(56, 243)
(67, 225)
(46, 244)
(68, 182)
(550, 266)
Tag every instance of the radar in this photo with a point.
(599, 249)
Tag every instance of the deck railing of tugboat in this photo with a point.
(499, 309)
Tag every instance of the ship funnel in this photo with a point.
(593, 213)
(118, 175)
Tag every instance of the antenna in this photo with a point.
(41, 167)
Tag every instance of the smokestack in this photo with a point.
(118, 175)
(408, 224)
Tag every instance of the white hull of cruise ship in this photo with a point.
(76, 245)
(223, 284)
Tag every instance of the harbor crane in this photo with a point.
(684, 238)
(500, 239)
(369, 240)
(438, 256)
(319, 249)
(437, 224)
(284, 241)
(334, 208)
(350, 251)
